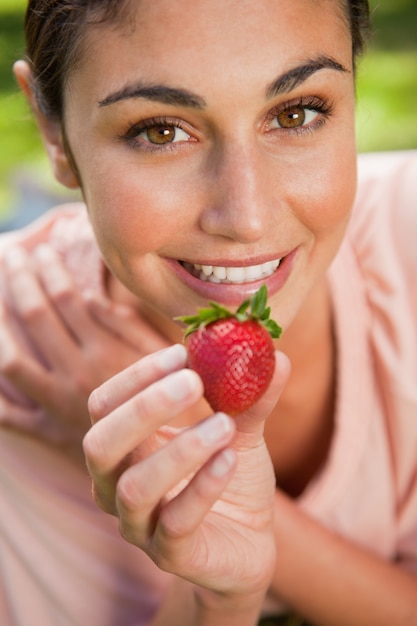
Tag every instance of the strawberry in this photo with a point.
(233, 352)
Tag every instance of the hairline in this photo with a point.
(118, 17)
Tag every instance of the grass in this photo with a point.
(19, 140)
(387, 101)
(387, 79)
(387, 92)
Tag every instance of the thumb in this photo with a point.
(252, 421)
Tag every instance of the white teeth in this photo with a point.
(207, 270)
(237, 275)
(252, 272)
(220, 272)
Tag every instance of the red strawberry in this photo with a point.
(233, 352)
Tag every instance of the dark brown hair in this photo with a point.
(55, 32)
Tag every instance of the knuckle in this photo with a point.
(11, 365)
(100, 400)
(127, 532)
(153, 401)
(95, 450)
(61, 295)
(132, 494)
(172, 526)
(95, 405)
(32, 311)
(142, 405)
(102, 501)
(54, 276)
(182, 454)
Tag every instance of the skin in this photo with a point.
(83, 341)
(244, 191)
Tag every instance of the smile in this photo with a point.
(232, 275)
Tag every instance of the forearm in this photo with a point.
(329, 581)
(187, 605)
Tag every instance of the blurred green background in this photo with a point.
(386, 111)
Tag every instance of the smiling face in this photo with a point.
(215, 145)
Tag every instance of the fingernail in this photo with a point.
(180, 385)
(171, 358)
(15, 258)
(222, 463)
(214, 429)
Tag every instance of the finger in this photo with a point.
(116, 436)
(197, 499)
(133, 379)
(126, 323)
(251, 422)
(46, 330)
(19, 367)
(144, 487)
(111, 441)
(22, 418)
(25, 419)
(60, 288)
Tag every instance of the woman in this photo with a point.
(216, 135)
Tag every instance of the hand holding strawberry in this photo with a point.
(200, 499)
(233, 352)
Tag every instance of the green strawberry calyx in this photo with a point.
(251, 309)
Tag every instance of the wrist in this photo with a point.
(230, 608)
(187, 603)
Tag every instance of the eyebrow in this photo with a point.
(182, 97)
(157, 93)
(297, 75)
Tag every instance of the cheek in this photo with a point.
(330, 193)
(132, 212)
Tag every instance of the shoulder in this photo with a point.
(67, 229)
(382, 235)
(383, 227)
(387, 183)
(387, 194)
(42, 229)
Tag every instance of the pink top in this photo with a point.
(368, 489)
(62, 560)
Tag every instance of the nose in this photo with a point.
(239, 202)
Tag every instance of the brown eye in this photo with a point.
(156, 134)
(161, 134)
(292, 118)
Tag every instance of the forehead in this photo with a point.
(216, 40)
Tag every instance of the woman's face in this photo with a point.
(215, 144)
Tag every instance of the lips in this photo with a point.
(232, 275)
